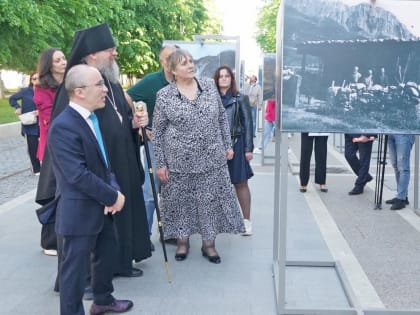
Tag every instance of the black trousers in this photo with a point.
(306, 146)
(79, 253)
(32, 144)
(360, 163)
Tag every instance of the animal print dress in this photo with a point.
(190, 138)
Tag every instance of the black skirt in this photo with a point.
(239, 168)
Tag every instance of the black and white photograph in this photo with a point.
(208, 56)
(351, 66)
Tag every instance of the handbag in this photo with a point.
(28, 118)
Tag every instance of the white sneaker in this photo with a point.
(257, 150)
(50, 252)
(248, 228)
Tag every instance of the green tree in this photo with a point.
(139, 27)
(29, 26)
(266, 26)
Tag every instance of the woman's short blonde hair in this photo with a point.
(176, 57)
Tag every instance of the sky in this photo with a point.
(239, 18)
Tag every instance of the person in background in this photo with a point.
(356, 75)
(88, 197)
(269, 128)
(192, 144)
(51, 67)
(399, 152)
(255, 95)
(240, 121)
(362, 144)
(368, 80)
(30, 132)
(317, 142)
(145, 90)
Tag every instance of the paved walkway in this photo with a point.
(378, 250)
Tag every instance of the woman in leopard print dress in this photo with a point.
(192, 144)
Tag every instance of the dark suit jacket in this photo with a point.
(83, 178)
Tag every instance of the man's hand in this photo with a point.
(18, 111)
(117, 206)
(140, 119)
(363, 139)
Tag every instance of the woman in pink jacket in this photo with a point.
(51, 67)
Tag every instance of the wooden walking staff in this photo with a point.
(139, 107)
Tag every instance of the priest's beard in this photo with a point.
(109, 71)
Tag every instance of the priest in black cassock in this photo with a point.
(95, 46)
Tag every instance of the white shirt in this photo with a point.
(85, 113)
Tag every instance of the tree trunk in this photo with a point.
(2, 88)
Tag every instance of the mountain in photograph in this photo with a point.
(333, 20)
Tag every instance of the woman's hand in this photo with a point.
(249, 156)
(18, 111)
(163, 174)
(229, 154)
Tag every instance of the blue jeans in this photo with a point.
(268, 129)
(399, 153)
(254, 119)
(147, 187)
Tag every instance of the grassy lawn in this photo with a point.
(7, 112)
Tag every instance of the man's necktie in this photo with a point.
(98, 134)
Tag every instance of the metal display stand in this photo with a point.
(380, 170)
(281, 265)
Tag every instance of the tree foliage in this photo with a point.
(266, 26)
(139, 27)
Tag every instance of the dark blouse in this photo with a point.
(25, 95)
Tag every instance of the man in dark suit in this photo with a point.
(88, 197)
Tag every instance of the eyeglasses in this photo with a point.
(100, 83)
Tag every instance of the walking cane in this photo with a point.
(139, 107)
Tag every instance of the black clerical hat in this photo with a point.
(89, 41)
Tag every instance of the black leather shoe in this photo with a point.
(215, 259)
(181, 256)
(182, 250)
(118, 306)
(356, 191)
(398, 204)
(135, 272)
(393, 200)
